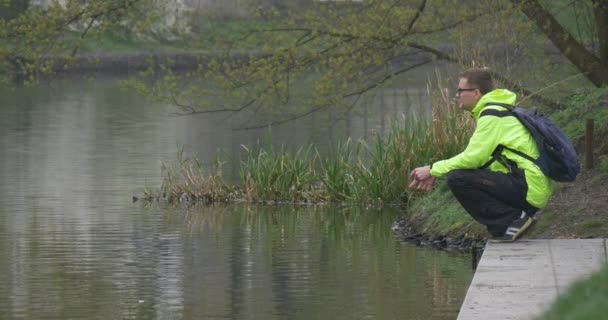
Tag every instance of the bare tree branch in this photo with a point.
(452, 25)
(285, 120)
(386, 78)
(84, 33)
(416, 16)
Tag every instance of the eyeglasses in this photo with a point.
(460, 90)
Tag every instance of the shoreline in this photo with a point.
(121, 63)
(405, 231)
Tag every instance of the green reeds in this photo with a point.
(374, 172)
(283, 175)
(335, 171)
(378, 174)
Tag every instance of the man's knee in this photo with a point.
(457, 178)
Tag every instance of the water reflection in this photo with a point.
(313, 262)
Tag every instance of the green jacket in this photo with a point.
(490, 132)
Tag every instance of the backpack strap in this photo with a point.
(496, 113)
(497, 153)
(500, 104)
(496, 156)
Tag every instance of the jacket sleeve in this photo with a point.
(482, 144)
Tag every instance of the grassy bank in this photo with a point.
(206, 34)
(586, 299)
(439, 214)
(375, 172)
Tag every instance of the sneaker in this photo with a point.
(515, 229)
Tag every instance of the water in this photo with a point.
(74, 246)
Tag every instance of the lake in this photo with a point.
(73, 245)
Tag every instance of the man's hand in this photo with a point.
(422, 179)
(421, 173)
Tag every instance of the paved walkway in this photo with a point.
(520, 280)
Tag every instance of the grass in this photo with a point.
(546, 219)
(187, 181)
(581, 106)
(280, 175)
(592, 224)
(335, 170)
(586, 299)
(592, 228)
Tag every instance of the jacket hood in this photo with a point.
(498, 95)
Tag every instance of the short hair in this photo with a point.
(480, 78)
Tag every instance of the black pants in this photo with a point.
(494, 199)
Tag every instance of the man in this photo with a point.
(504, 194)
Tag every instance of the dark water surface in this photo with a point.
(73, 246)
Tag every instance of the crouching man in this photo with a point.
(503, 194)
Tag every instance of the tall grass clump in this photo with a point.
(378, 174)
(187, 181)
(279, 175)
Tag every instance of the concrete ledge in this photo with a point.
(520, 280)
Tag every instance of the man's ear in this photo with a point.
(478, 94)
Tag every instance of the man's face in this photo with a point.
(467, 95)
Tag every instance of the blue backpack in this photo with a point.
(557, 157)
